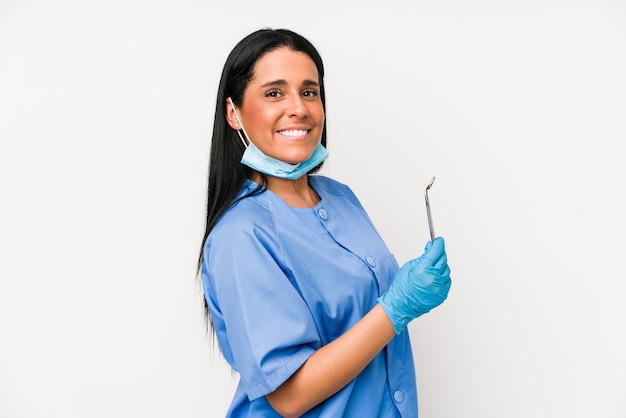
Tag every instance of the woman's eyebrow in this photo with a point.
(284, 82)
(311, 83)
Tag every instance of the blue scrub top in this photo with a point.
(281, 282)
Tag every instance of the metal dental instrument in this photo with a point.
(430, 218)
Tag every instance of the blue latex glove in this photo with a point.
(419, 286)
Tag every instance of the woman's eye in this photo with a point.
(310, 93)
(272, 93)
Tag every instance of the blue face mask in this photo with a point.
(254, 158)
(257, 160)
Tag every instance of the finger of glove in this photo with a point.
(428, 249)
(424, 301)
(404, 272)
(441, 264)
(439, 286)
(429, 244)
(446, 273)
(433, 253)
(439, 275)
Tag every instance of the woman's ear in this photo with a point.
(231, 118)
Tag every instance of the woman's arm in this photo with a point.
(333, 366)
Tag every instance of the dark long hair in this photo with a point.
(226, 173)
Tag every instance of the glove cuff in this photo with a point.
(398, 320)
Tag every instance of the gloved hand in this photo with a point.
(419, 286)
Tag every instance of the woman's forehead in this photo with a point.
(286, 65)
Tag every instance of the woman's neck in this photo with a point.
(296, 193)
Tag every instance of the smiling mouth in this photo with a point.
(294, 132)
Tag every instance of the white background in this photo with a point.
(518, 108)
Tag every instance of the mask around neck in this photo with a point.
(257, 160)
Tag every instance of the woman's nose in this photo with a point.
(297, 106)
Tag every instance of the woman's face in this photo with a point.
(282, 109)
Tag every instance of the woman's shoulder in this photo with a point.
(247, 211)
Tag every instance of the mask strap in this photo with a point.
(245, 144)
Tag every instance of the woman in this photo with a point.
(307, 303)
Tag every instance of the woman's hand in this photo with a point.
(419, 286)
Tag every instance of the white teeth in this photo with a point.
(294, 132)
